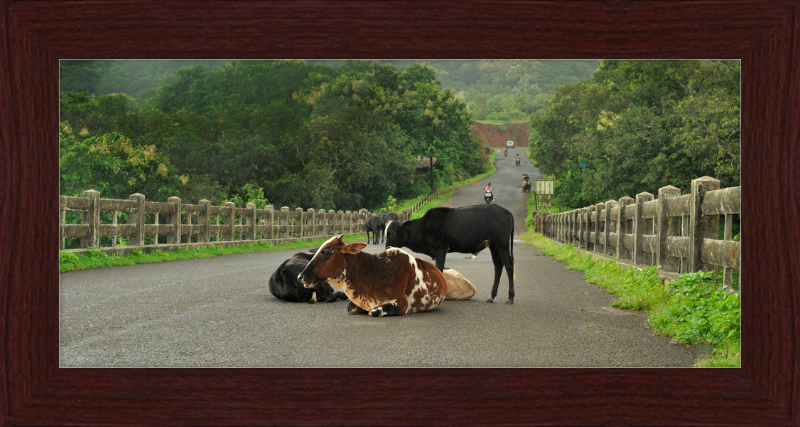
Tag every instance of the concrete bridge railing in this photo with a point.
(224, 225)
(680, 233)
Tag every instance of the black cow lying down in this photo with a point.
(469, 229)
(284, 284)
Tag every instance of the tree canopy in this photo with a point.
(639, 126)
(306, 135)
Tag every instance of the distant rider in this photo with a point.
(489, 188)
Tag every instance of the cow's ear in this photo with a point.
(354, 248)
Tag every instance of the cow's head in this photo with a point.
(329, 261)
(396, 235)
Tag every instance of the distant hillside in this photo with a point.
(497, 135)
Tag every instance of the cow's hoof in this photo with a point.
(490, 300)
(511, 301)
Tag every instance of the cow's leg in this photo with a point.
(352, 308)
(390, 309)
(506, 257)
(438, 256)
(498, 270)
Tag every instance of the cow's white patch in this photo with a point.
(339, 281)
(320, 248)
(420, 285)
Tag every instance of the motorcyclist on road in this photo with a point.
(524, 179)
(489, 188)
(505, 151)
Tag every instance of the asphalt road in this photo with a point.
(218, 312)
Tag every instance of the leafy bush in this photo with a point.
(700, 311)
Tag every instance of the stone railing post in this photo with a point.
(639, 256)
(175, 220)
(91, 217)
(250, 222)
(270, 218)
(137, 218)
(284, 219)
(300, 229)
(599, 240)
(331, 217)
(623, 229)
(230, 220)
(204, 219)
(607, 232)
(312, 226)
(701, 227)
(667, 227)
(589, 245)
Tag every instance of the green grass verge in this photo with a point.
(692, 309)
(94, 258)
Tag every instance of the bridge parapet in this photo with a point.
(678, 233)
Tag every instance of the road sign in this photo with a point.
(544, 187)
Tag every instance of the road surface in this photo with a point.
(218, 312)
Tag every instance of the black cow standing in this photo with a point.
(469, 230)
(376, 225)
(284, 284)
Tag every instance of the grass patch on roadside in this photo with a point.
(692, 309)
(94, 258)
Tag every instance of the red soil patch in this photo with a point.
(497, 135)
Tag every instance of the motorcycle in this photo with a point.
(505, 152)
(488, 197)
(526, 186)
(517, 162)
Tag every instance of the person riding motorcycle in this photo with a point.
(505, 151)
(525, 179)
(488, 193)
(517, 158)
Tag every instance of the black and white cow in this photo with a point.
(469, 229)
(284, 284)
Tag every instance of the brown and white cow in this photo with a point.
(390, 283)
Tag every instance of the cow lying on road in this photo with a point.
(284, 284)
(385, 284)
(469, 229)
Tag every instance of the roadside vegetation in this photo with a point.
(692, 309)
(94, 258)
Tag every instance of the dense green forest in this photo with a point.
(639, 126)
(502, 89)
(285, 132)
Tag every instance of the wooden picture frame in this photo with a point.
(764, 35)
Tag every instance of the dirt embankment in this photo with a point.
(497, 135)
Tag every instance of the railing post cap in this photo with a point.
(136, 196)
(298, 210)
(250, 206)
(174, 199)
(90, 191)
(311, 210)
(228, 204)
(284, 208)
(644, 194)
(270, 208)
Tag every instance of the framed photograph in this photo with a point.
(36, 35)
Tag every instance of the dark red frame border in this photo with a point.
(764, 35)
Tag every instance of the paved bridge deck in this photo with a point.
(218, 312)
